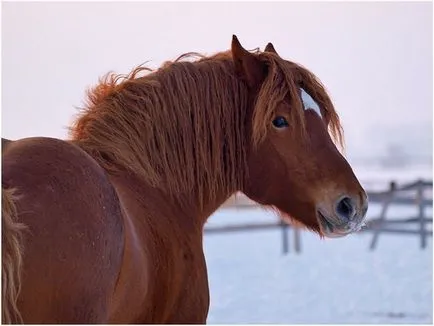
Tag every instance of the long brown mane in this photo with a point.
(182, 127)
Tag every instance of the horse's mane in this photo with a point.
(182, 127)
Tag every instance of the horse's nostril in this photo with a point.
(345, 208)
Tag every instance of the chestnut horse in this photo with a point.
(107, 227)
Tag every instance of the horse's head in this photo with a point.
(293, 164)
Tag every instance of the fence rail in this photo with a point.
(414, 193)
(394, 195)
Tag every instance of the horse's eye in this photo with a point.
(280, 122)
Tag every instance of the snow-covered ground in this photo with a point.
(330, 281)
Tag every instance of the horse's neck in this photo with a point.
(219, 156)
(145, 201)
(193, 167)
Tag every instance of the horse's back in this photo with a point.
(5, 143)
(73, 241)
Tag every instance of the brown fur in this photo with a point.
(116, 214)
(74, 239)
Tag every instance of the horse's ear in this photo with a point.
(270, 48)
(247, 65)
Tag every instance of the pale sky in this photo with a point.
(374, 58)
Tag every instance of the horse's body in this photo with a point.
(107, 227)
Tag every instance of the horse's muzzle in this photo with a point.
(348, 216)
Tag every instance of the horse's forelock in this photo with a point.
(285, 78)
(319, 93)
(280, 85)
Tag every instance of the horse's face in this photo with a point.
(307, 179)
(304, 177)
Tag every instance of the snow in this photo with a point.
(330, 281)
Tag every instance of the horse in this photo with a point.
(106, 226)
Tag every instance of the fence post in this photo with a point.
(421, 215)
(297, 240)
(382, 216)
(285, 242)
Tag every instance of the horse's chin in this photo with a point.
(287, 218)
(331, 230)
(326, 228)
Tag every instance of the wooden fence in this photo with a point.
(240, 201)
(417, 193)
